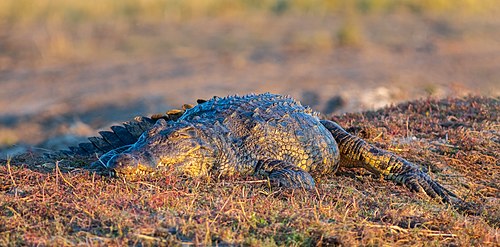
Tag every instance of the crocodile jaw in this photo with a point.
(127, 165)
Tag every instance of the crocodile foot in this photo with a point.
(419, 181)
(285, 174)
(292, 179)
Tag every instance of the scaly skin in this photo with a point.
(237, 135)
(264, 135)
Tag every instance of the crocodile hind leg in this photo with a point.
(284, 174)
(355, 152)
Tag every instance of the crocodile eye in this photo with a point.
(179, 135)
(188, 132)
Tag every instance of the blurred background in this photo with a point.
(71, 67)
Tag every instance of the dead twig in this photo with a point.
(391, 227)
(59, 173)
(10, 174)
(146, 237)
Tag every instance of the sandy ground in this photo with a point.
(53, 105)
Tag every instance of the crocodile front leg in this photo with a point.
(355, 152)
(284, 174)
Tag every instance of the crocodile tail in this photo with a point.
(121, 135)
(118, 136)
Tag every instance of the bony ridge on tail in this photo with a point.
(265, 135)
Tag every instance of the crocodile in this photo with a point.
(264, 135)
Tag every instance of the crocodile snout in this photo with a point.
(127, 165)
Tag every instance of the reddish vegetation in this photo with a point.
(42, 202)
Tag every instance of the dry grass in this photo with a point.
(47, 203)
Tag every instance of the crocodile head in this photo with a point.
(179, 145)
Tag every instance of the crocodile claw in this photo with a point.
(420, 181)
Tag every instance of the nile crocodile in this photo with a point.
(265, 135)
